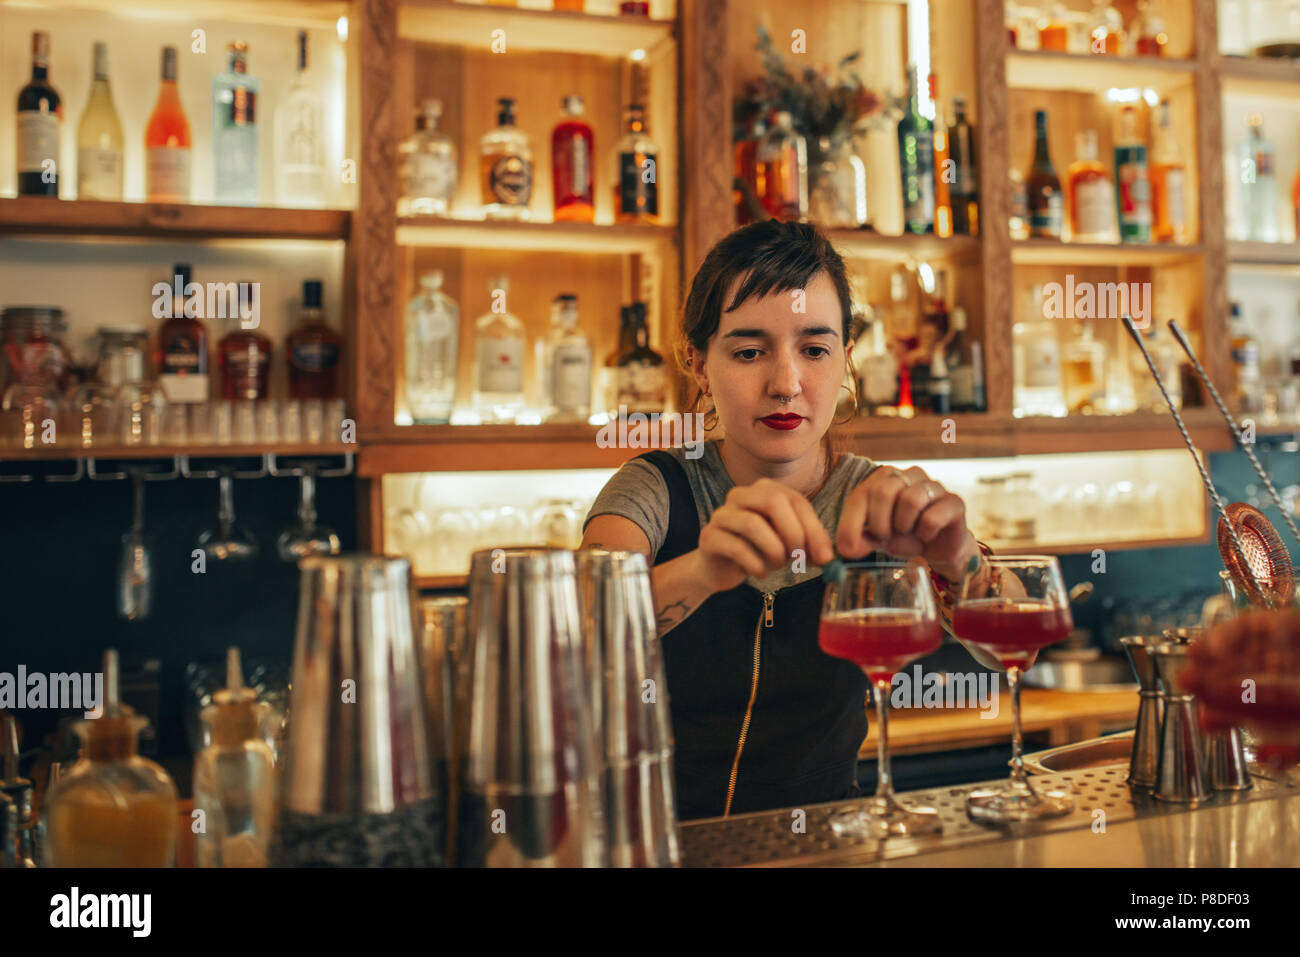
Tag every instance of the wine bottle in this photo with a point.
(40, 117)
(167, 142)
(99, 139)
(1043, 186)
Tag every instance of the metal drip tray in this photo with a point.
(1112, 750)
(774, 838)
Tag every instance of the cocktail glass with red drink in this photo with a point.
(881, 616)
(1013, 608)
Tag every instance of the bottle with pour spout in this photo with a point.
(114, 808)
(234, 778)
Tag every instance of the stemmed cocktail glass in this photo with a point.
(881, 616)
(1014, 607)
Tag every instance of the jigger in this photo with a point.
(1225, 766)
(1180, 775)
(1146, 736)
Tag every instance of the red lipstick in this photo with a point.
(785, 421)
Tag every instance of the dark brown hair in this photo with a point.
(771, 256)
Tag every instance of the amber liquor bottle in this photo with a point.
(182, 347)
(245, 362)
(313, 350)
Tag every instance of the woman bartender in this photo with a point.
(762, 718)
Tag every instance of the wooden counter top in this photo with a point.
(1048, 719)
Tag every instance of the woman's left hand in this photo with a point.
(905, 512)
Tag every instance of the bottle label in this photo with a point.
(1045, 217)
(1043, 363)
(237, 107)
(511, 181)
(1134, 188)
(245, 369)
(501, 365)
(571, 377)
(184, 388)
(38, 141)
(183, 356)
(168, 174)
(429, 175)
(918, 182)
(315, 356)
(1263, 164)
(1175, 207)
(99, 174)
(1094, 206)
(572, 158)
(433, 324)
(636, 196)
(641, 384)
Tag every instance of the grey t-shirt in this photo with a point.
(638, 493)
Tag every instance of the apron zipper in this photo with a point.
(766, 619)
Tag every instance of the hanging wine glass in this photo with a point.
(228, 541)
(134, 571)
(307, 538)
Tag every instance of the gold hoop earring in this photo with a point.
(853, 393)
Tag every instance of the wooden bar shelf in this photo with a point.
(878, 246)
(437, 232)
(1261, 76)
(475, 26)
(1051, 252)
(1248, 253)
(61, 453)
(37, 216)
(1086, 73)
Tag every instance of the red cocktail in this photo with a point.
(1013, 629)
(880, 641)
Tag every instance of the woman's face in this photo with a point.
(784, 344)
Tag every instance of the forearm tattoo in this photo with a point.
(672, 614)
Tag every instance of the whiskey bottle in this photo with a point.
(245, 356)
(312, 350)
(636, 172)
(641, 380)
(1091, 194)
(506, 167)
(183, 347)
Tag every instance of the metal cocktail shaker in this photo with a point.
(630, 700)
(442, 641)
(357, 786)
(530, 794)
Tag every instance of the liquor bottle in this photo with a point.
(167, 143)
(429, 168)
(99, 139)
(750, 177)
(235, 132)
(1132, 182)
(784, 156)
(636, 172)
(137, 827)
(965, 184)
(40, 116)
(642, 385)
(942, 172)
(1091, 194)
(498, 359)
(1083, 371)
(1043, 187)
(183, 347)
(1009, 17)
(940, 385)
(957, 359)
(1036, 364)
(977, 377)
(564, 365)
(1258, 183)
(432, 336)
(607, 382)
(572, 183)
(879, 379)
(1146, 394)
(1168, 179)
(1018, 220)
(299, 134)
(1149, 31)
(506, 167)
(312, 350)
(916, 163)
(1245, 363)
(1105, 29)
(245, 356)
(1053, 31)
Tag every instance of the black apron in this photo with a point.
(808, 716)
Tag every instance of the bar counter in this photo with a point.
(1110, 826)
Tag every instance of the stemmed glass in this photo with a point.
(228, 541)
(1012, 610)
(307, 538)
(134, 570)
(881, 616)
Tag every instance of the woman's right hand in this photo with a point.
(756, 531)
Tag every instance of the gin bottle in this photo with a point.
(428, 166)
(564, 365)
(234, 132)
(1258, 183)
(432, 334)
(498, 359)
(1036, 356)
(300, 172)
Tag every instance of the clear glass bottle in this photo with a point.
(235, 167)
(1146, 394)
(636, 171)
(499, 346)
(299, 140)
(1245, 363)
(1132, 181)
(1091, 194)
(573, 188)
(432, 335)
(506, 167)
(838, 194)
(1036, 356)
(642, 386)
(235, 779)
(879, 380)
(1258, 183)
(1105, 29)
(916, 162)
(564, 365)
(40, 121)
(114, 808)
(429, 166)
(1083, 371)
(99, 139)
(167, 141)
(1168, 182)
